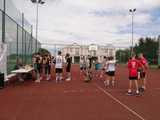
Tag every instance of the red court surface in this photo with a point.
(76, 100)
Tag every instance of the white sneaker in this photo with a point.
(21, 80)
(105, 83)
(113, 83)
(68, 79)
(101, 76)
(37, 81)
(48, 78)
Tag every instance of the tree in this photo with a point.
(43, 51)
(123, 55)
(149, 47)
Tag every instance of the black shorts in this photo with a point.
(103, 69)
(39, 68)
(68, 69)
(142, 73)
(59, 70)
(110, 73)
(133, 78)
(47, 69)
(83, 68)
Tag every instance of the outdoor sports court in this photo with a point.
(77, 100)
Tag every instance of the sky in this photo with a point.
(93, 21)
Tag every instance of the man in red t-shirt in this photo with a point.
(142, 70)
(133, 65)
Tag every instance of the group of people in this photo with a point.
(106, 69)
(43, 65)
(137, 67)
(91, 68)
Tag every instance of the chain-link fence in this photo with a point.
(18, 36)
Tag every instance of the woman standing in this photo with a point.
(68, 66)
(39, 67)
(59, 67)
(48, 67)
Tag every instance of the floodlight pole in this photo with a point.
(37, 4)
(132, 11)
(37, 21)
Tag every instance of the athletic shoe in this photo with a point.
(129, 93)
(105, 83)
(37, 81)
(48, 78)
(101, 76)
(68, 79)
(56, 81)
(137, 93)
(113, 83)
(1, 87)
(21, 80)
(141, 89)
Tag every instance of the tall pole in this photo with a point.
(55, 50)
(132, 33)
(37, 13)
(132, 11)
(17, 44)
(159, 52)
(31, 39)
(37, 26)
(23, 37)
(3, 21)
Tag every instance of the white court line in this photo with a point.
(118, 101)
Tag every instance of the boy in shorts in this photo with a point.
(133, 74)
(48, 67)
(142, 70)
(103, 64)
(88, 71)
(110, 72)
(59, 67)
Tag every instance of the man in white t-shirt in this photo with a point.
(59, 67)
(110, 72)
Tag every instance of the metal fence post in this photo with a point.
(22, 37)
(25, 48)
(159, 51)
(3, 21)
(17, 45)
(31, 39)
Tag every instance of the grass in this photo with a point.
(153, 66)
(11, 61)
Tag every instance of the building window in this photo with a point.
(106, 50)
(71, 50)
(110, 53)
(77, 51)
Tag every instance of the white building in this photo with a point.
(76, 51)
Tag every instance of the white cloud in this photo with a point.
(75, 20)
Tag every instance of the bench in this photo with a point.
(9, 77)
